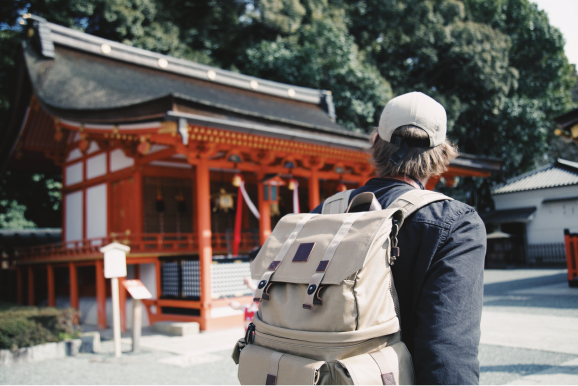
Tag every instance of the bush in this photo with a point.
(22, 326)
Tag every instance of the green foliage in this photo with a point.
(498, 67)
(29, 326)
(30, 200)
(13, 216)
(322, 55)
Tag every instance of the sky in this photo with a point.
(562, 15)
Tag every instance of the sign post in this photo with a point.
(138, 291)
(115, 267)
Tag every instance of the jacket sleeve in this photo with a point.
(449, 309)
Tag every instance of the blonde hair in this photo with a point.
(417, 162)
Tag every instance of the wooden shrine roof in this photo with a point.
(78, 79)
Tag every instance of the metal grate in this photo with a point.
(546, 253)
(227, 279)
(191, 278)
(170, 278)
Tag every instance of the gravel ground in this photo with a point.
(504, 292)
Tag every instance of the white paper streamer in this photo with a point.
(296, 198)
(248, 201)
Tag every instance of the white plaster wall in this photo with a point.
(551, 219)
(148, 277)
(92, 148)
(96, 166)
(95, 211)
(73, 216)
(74, 173)
(89, 311)
(74, 154)
(119, 161)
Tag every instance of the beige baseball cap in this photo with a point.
(415, 109)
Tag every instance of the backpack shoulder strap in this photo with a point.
(415, 199)
(338, 203)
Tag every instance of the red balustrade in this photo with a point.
(138, 243)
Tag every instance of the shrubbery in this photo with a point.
(22, 326)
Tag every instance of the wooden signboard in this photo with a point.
(137, 289)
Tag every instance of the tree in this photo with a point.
(471, 55)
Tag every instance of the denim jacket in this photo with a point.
(439, 281)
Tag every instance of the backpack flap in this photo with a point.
(294, 251)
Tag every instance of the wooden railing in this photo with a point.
(138, 243)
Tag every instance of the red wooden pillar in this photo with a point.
(20, 284)
(122, 303)
(158, 279)
(313, 189)
(30, 286)
(203, 193)
(137, 226)
(264, 211)
(100, 293)
(73, 274)
(51, 289)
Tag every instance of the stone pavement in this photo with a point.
(529, 328)
(529, 336)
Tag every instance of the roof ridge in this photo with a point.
(524, 175)
(50, 33)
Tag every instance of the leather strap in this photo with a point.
(273, 368)
(315, 280)
(384, 368)
(280, 256)
(337, 203)
(415, 199)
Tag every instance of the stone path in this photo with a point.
(529, 336)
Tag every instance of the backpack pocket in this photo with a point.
(262, 366)
(391, 365)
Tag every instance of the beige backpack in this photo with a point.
(328, 311)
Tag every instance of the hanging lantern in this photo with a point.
(181, 204)
(237, 179)
(271, 185)
(341, 187)
(83, 144)
(160, 202)
(144, 146)
(57, 130)
(275, 209)
(292, 184)
(223, 201)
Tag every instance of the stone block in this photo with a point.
(73, 347)
(90, 342)
(177, 328)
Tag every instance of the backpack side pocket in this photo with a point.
(262, 366)
(391, 365)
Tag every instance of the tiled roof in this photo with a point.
(509, 215)
(560, 173)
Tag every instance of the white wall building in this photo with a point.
(538, 206)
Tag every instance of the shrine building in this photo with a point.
(189, 165)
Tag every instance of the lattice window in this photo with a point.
(227, 279)
(170, 273)
(191, 278)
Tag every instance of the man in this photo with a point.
(439, 274)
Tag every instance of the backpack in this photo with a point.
(328, 310)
